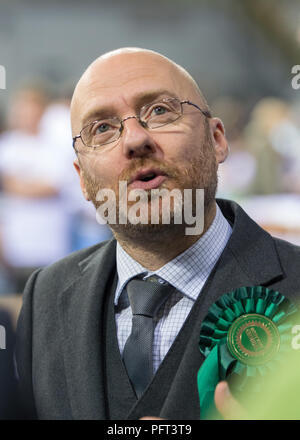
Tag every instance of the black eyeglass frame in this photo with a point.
(206, 113)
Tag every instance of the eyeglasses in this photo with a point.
(151, 116)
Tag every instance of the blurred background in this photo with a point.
(240, 52)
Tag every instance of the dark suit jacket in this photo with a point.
(10, 405)
(68, 359)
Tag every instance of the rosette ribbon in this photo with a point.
(244, 336)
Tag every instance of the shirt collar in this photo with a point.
(188, 271)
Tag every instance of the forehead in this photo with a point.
(128, 80)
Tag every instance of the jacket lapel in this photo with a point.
(81, 308)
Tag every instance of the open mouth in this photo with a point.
(148, 179)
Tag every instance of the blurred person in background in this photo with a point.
(34, 227)
(273, 137)
(265, 118)
(7, 284)
(285, 139)
(55, 131)
(237, 173)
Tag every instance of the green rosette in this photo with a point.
(245, 335)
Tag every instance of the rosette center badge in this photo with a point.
(253, 339)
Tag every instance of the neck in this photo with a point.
(161, 248)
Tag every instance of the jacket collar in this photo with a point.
(252, 247)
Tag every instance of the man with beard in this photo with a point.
(83, 350)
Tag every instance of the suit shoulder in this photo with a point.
(289, 256)
(61, 273)
(286, 249)
(74, 258)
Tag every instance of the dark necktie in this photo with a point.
(145, 299)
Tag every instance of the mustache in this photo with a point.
(138, 163)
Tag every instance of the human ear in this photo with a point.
(219, 139)
(81, 179)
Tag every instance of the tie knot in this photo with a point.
(146, 296)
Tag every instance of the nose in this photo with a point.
(136, 139)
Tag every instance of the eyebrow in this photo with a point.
(139, 101)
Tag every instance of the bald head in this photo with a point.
(127, 71)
